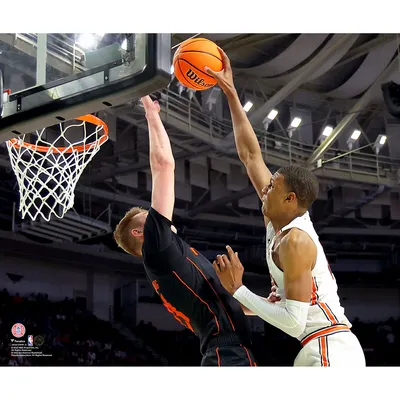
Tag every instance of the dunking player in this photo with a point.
(182, 277)
(308, 305)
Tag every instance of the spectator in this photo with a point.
(72, 336)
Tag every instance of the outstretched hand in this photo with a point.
(224, 78)
(229, 270)
(150, 106)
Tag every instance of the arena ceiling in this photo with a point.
(326, 79)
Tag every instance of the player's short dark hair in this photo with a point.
(302, 182)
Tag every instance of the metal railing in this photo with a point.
(277, 144)
(63, 48)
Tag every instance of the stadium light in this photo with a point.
(379, 143)
(272, 114)
(327, 131)
(295, 122)
(89, 40)
(353, 138)
(269, 118)
(355, 135)
(247, 106)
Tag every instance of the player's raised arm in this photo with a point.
(246, 140)
(162, 163)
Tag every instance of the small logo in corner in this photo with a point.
(30, 340)
(38, 341)
(18, 330)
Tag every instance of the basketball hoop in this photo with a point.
(46, 173)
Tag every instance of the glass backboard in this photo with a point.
(58, 77)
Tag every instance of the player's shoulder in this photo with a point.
(297, 251)
(154, 213)
(156, 224)
(161, 261)
(297, 240)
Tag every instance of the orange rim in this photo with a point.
(44, 149)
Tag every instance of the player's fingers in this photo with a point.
(239, 262)
(235, 257)
(274, 297)
(226, 260)
(230, 253)
(209, 71)
(216, 267)
(220, 261)
(225, 59)
(270, 299)
(147, 102)
(157, 105)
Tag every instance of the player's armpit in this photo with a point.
(297, 255)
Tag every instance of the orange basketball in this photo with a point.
(190, 59)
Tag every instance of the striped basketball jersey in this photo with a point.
(325, 309)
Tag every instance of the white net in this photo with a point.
(49, 163)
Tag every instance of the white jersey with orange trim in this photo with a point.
(325, 309)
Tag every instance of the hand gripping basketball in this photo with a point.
(224, 78)
(191, 58)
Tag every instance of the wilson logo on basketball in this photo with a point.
(196, 79)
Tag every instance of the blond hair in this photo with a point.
(122, 234)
